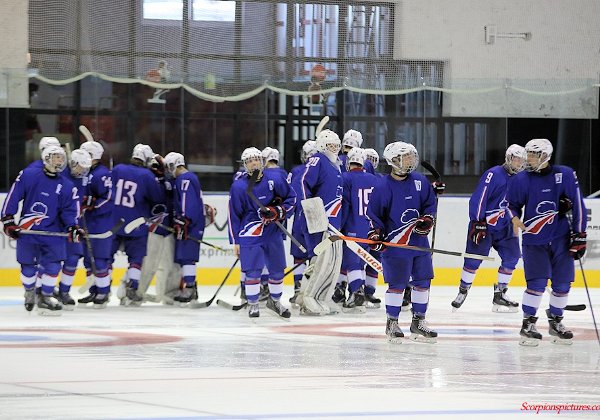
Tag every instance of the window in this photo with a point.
(201, 10)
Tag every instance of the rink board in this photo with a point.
(450, 235)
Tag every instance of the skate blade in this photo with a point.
(454, 308)
(274, 314)
(501, 309)
(306, 312)
(355, 310)
(69, 307)
(529, 342)
(562, 341)
(152, 298)
(395, 340)
(100, 305)
(418, 338)
(370, 305)
(49, 312)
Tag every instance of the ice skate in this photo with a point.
(312, 307)
(65, 299)
(100, 301)
(131, 297)
(355, 303)
(529, 334)
(296, 293)
(339, 294)
(253, 310)
(264, 294)
(406, 298)
(371, 302)
(460, 298)
(29, 299)
(48, 306)
(278, 308)
(501, 302)
(420, 331)
(186, 295)
(86, 299)
(558, 332)
(393, 331)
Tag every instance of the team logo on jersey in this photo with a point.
(271, 185)
(546, 211)
(37, 213)
(558, 178)
(252, 229)
(493, 216)
(418, 184)
(332, 209)
(159, 213)
(402, 234)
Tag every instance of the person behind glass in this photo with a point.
(47, 205)
(542, 195)
(256, 239)
(490, 226)
(402, 209)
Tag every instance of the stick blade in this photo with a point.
(134, 224)
(323, 245)
(321, 125)
(86, 133)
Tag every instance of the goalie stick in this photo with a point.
(321, 125)
(437, 177)
(102, 235)
(88, 137)
(251, 182)
(200, 305)
(135, 223)
(325, 243)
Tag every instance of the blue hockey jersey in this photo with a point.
(488, 201)
(358, 186)
(188, 202)
(323, 179)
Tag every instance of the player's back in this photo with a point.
(358, 186)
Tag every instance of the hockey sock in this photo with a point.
(102, 283)
(252, 289)
(66, 279)
(188, 272)
(370, 284)
(466, 277)
(343, 277)
(504, 275)
(28, 281)
(48, 282)
(298, 272)
(276, 288)
(419, 300)
(133, 274)
(558, 303)
(531, 302)
(264, 277)
(393, 302)
(355, 280)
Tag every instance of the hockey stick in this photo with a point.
(200, 305)
(135, 223)
(102, 235)
(324, 244)
(437, 177)
(587, 290)
(88, 137)
(321, 125)
(251, 183)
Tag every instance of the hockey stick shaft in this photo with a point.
(170, 229)
(321, 125)
(437, 177)
(103, 235)
(88, 244)
(587, 291)
(414, 248)
(210, 301)
(251, 182)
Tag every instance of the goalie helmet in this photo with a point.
(94, 148)
(80, 163)
(172, 161)
(352, 138)
(54, 158)
(308, 149)
(47, 142)
(269, 154)
(539, 152)
(515, 158)
(329, 144)
(373, 156)
(402, 157)
(356, 155)
(144, 153)
(249, 155)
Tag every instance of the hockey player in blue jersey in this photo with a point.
(97, 209)
(135, 191)
(256, 239)
(357, 188)
(188, 220)
(48, 205)
(43, 144)
(490, 226)
(80, 163)
(299, 230)
(351, 139)
(402, 209)
(542, 195)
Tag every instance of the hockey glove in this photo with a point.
(424, 224)
(377, 236)
(578, 245)
(75, 234)
(564, 206)
(477, 231)
(438, 187)
(181, 224)
(209, 214)
(11, 229)
(89, 201)
(157, 166)
(271, 213)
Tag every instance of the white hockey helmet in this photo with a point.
(539, 152)
(352, 138)
(47, 142)
(251, 154)
(94, 148)
(54, 158)
(308, 149)
(80, 163)
(172, 161)
(373, 156)
(515, 158)
(329, 144)
(356, 155)
(402, 157)
(143, 152)
(268, 154)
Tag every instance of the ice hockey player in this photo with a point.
(97, 209)
(188, 220)
(256, 239)
(47, 206)
(490, 226)
(402, 209)
(542, 195)
(43, 144)
(353, 138)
